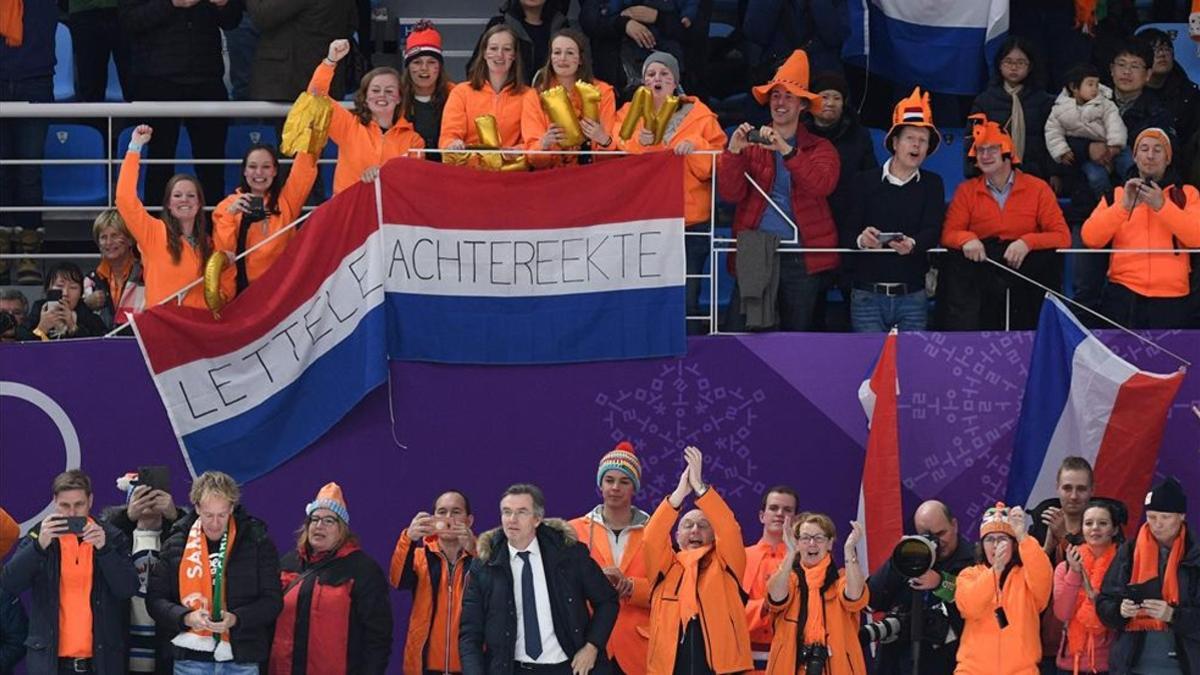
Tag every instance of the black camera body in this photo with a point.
(813, 657)
(257, 210)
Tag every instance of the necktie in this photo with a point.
(533, 634)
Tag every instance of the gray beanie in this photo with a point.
(667, 60)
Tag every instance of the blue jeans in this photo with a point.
(23, 139)
(206, 668)
(878, 313)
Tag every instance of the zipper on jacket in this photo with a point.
(449, 612)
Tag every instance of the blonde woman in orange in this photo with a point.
(570, 61)
(375, 131)
(175, 246)
(495, 87)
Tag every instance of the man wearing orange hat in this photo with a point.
(798, 170)
(1007, 216)
(902, 210)
(1152, 210)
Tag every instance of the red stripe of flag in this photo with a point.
(882, 508)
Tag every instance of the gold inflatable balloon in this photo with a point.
(589, 98)
(213, 268)
(306, 128)
(638, 107)
(518, 164)
(662, 117)
(489, 134)
(489, 138)
(557, 105)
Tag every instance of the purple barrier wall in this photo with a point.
(765, 409)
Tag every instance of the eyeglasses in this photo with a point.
(988, 150)
(327, 521)
(817, 539)
(995, 539)
(1015, 63)
(1128, 66)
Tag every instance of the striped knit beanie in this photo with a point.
(330, 497)
(623, 459)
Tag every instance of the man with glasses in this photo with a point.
(1170, 83)
(1140, 107)
(526, 604)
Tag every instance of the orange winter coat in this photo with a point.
(718, 587)
(841, 625)
(699, 125)
(627, 643)
(163, 275)
(291, 201)
(762, 560)
(984, 648)
(1031, 214)
(432, 642)
(360, 146)
(535, 122)
(465, 103)
(1156, 275)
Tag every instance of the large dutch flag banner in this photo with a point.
(880, 507)
(1082, 399)
(943, 45)
(430, 262)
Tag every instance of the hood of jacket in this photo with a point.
(554, 532)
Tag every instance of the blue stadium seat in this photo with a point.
(724, 281)
(326, 170)
(237, 141)
(64, 70)
(183, 149)
(113, 92)
(74, 184)
(719, 30)
(122, 145)
(1186, 53)
(877, 136)
(947, 162)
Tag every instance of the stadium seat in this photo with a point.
(74, 184)
(122, 144)
(64, 69)
(183, 149)
(724, 281)
(947, 162)
(881, 153)
(1187, 52)
(719, 30)
(113, 92)
(237, 141)
(326, 170)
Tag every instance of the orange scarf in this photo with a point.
(1145, 568)
(1084, 626)
(689, 599)
(196, 592)
(814, 623)
(75, 597)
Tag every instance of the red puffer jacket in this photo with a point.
(814, 171)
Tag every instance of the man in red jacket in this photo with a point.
(798, 170)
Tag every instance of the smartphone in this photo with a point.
(257, 211)
(442, 523)
(1149, 590)
(156, 477)
(888, 237)
(75, 524)
(54, 295)
(754, 136)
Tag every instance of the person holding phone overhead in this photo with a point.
(1152, 210)
(81, 577)
(900, 208)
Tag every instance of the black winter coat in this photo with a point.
(488, 629)
(87, 322)
(512, 19)
(182, 46)
(114, 581)
(1146, 112)
(294, 37)
(997, 105)
(1186, 621)
(856, 152)
(252, 590)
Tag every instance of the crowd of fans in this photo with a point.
(1105, 158)
(149, 586)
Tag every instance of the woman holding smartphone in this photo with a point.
(263, 204)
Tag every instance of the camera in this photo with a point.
(935, 627)
(914, 555)
(888, 629)
(755, 136)
(813, 657)
(257, 211)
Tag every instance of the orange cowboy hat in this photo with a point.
(985, 132)
(913, 111)
(793, 77)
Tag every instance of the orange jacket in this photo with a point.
(360, 146)
(12, 27)
(432, 642)
(762, 559)
(984, 648)
(10, 532)
(163, 275)
(1031, 214)
(535, 122)
(627, 643)
(465, 103)
(699, 126)
(841, 625)
(1157, 275)
(291, 201)
(722, 613)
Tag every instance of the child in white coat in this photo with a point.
(1085, 126)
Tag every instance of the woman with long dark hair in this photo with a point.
(1016, 100)
(424, 86)
(175, 246)
(263, 204)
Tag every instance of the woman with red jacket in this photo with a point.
(337, 616)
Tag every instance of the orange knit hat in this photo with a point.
(985, 132)
(330, 497)
(995, 519)
(424, 40)
(793, 77)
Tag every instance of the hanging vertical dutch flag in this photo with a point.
(880, 508)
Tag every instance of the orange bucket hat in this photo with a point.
(913, 111)
(793, 77)
(985, 132)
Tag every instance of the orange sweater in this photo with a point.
(465, 103)
(627, 643)
(699, 126)
(1030, 214)
(360, 146)
(985, 649)
(1156, 275)
(841, 625)
(291, 201)
(163, 275)
(722, 615)
(534, 123)
(432, 643)
(762, 560)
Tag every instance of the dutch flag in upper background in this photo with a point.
(1082, 399)
(943, 45)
